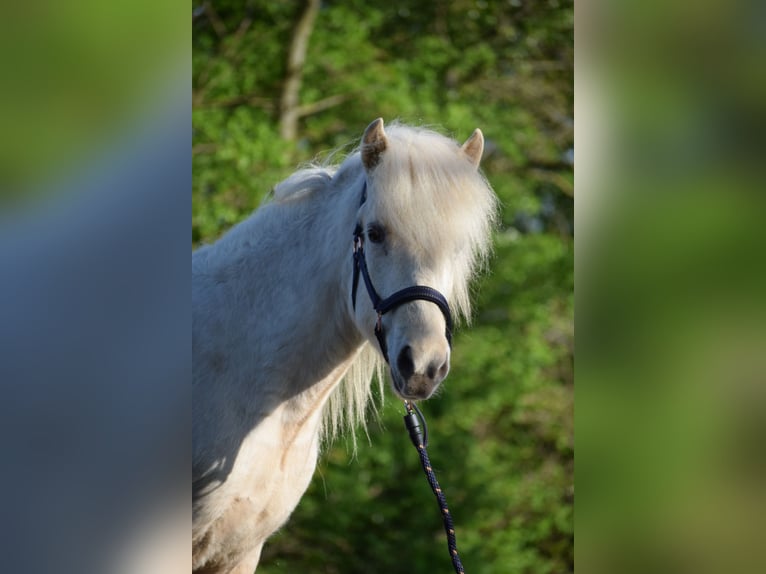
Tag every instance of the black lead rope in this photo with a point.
(419, 437)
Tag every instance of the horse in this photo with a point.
(284, 348)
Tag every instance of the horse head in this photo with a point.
(422, 225)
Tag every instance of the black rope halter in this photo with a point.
(413, 418)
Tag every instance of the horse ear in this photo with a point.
(474, 147)
(374, 143)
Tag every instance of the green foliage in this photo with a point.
(502, 427)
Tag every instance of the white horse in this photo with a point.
(281, 353)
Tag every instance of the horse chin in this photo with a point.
(411, 390)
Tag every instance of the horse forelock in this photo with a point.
(435, 199)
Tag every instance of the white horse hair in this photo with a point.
(280, 355)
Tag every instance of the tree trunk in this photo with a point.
(289, 104)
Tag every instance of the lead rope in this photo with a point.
(419, 437)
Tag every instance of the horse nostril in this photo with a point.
(437, 372)
(443, 370)
(405, 363)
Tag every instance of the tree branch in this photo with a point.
(204, 148)
(218, 25)
(321, 105)
(249, 99)
(296, 57)
(556, 179)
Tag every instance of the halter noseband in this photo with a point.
(383, 306)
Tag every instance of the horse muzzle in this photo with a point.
(416, 375)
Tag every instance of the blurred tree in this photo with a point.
(290, 110)
(502, 428)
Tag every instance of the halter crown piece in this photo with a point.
(383, 306)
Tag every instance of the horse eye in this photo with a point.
(375, 233)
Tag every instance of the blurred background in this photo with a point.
(95, 337)
(75, 82)
(671, 400)
(277, 84)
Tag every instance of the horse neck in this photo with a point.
(303, 266)
(325, 252)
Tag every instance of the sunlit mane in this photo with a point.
(304, 182)
(348, 405)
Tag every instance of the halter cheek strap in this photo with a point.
(383, 306)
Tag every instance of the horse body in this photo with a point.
(274, 332)
(263, 394)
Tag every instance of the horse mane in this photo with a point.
(304, 182)
(348, 405)
(452, 198)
